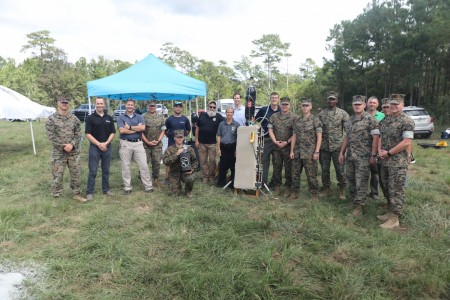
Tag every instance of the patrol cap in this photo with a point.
(385, 101)
(178, 133)
(285, 100)
(396, 98)
(306, 100)
(332, 95)
(178, 103)
(152, 103)
(358, 99)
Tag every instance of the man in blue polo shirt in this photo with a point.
(131, 126)
(100, 132)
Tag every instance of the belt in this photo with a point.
(132, 141)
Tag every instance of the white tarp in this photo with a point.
(16, 106)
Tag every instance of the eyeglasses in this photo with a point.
(212, 106)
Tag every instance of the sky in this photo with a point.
(213, 30)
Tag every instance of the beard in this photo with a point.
(211, 113)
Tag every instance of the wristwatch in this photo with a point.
(389, 153)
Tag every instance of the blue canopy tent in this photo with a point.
(149, 79)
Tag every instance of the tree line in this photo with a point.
(393, 46)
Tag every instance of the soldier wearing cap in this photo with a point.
(333, 119)
(305, 147)
(397, 132)
(174, 158)
(176, 121)
(64, 132)
(131, 126)
(360, 149)
(152, 136)
(280, 131)
(205, 133)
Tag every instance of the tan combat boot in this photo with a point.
(277, 190)
(156, 183)
(325, 192)
(357, 211)
(342, 193)
(293, 196)
(384, 217)
(287, 192)
(79, 198)
(391, 223)
(189, 195)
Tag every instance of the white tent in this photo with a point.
(16, 106)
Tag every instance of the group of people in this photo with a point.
(368, 144)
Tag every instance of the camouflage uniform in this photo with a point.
(332, 126)
(176, 176)
(305, 130)
(64, 130)
(282, 126)
(393, 130)
(154, 124)
(359, 133)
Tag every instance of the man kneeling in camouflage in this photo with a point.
(182, 163)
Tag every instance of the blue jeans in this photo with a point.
(95, 155)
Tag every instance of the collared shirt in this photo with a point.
(239, 115)
(262, 114)
(228, 132)
(360, 131)
(100, 127)
(134, 120)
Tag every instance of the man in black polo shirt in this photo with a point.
(206, 131)
(100, 132)
(131, 126)
(263, 116)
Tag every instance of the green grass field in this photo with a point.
(217, 245)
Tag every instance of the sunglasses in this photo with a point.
(212, 106)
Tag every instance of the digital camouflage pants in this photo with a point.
(281, 159)
(175, 180)
(325, 164)
(311, 168)
(154, 156)
(59, 162)
(392, 180)
(358, 172)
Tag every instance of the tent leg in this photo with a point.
(32, 137)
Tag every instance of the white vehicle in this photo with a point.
(222, 105)
(162, 110)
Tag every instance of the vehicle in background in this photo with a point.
(222, 105)
(120, 110)
(82, 111)
(424, 125)
(161, 109)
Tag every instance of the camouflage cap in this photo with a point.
(306, 100)
(385, 101)
(396, 98)
(178, 133)
(152, 102)
(285, 100)
(358, 99)
(332, 95)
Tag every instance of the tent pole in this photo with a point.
(32, 137)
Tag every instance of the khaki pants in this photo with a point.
(128, 151)
(207, 153)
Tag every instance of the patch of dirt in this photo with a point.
(6, 244)
(105, 277)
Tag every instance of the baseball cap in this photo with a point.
(178, 103)
(332, 95)
(178, 133)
